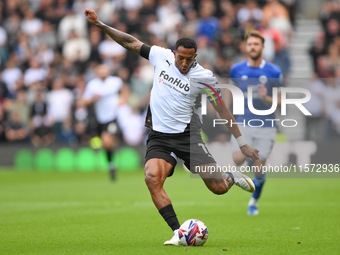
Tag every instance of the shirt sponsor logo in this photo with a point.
(177, 82)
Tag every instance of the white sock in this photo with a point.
(253, 202)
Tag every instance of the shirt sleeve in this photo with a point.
(156, 53)
(278, 79)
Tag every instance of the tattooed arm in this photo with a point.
(127, 41)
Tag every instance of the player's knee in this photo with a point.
(152, 180)
(238, 158)
(108, 141)
(107, 145)
(219, 189)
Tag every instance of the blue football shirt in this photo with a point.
(243, 75)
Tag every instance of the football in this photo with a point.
(193, 233)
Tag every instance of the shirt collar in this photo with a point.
(262, 63)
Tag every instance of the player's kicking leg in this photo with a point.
(156, 171)
(219, 182)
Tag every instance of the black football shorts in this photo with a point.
(110, 127)
(170, 147)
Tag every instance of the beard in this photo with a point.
(255, 57)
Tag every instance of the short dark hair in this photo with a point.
(255, 33)
(187, 43)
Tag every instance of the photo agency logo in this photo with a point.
(293, 96)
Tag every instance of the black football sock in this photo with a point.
(112, 168)
(109, 155)
(169, 216)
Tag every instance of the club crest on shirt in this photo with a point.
(244, 77)
(263, 79)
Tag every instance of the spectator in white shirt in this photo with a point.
(71, 22)
(31, 25)
(35, 73)
(59, 105)
(11, 75)
(76, 48)
(250, 12)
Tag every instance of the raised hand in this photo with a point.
(91, 16)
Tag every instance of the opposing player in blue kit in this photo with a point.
(258, 130)
(174, 122)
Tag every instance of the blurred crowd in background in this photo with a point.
(325, 82)
(48, 53)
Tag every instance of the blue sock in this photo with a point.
(249, 162)
(259, 182)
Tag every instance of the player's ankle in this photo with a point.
(253, 202)
(231, 176)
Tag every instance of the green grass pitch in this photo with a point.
(85, 213)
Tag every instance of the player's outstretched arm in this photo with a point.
(126, 40)
(224, 113)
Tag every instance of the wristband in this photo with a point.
(240, 140)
